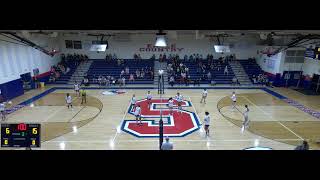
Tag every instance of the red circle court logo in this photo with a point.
(178, 124)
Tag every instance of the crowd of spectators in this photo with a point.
(137, 57)
(110, 57)
(63, 67)
(260, 79)
(77, 59)
(179, 73)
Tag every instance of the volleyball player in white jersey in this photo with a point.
(69, 100)
(245, 124)
(133, 100)
(3, 110)
(204, 96)
(179, 99)
(77, 88)
(234, 100)
(149, 98)
(137, 113)
(206, 123)
(170, 104)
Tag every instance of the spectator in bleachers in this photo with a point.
(131, 77)
(185, 58)
(190, 58)
(122, 73)
(139, 57)
(151, 74)
(100, 80)
(114, 57)
(226, 70)
(119, 62)
(108, 81)
(197, 81)
(254, 79)
(127, 70)
(160, 57)
(142, 73)
(137, 73)
(209, 76)
(234, 80)
(171, 81)
(85, 81)
(63, 57)
(187, 70)
(153, 57)
(183, 77)
(113, 80)
(123, 81)
(104, 81)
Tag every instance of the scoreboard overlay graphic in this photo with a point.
(20, 135)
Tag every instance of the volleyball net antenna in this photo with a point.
(160, 124)
(160, 91)
(160, 82)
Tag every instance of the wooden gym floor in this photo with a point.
(274, 123)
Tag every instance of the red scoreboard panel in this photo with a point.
(20, 135)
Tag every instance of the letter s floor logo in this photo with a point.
(177, 124)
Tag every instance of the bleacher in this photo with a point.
(217, 76)
(251, 67)
(64, 78)
(111, 68)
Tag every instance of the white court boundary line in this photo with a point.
(273, 118)
(123, 117)
(201, 128)
(177, 140)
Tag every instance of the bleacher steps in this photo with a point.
(80, 72)
(240, 73)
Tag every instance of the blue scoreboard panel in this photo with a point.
(20, 135)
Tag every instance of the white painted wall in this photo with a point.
(17, 59)
(126, 50)
(311, 66)
(271, 64)
(276, 64)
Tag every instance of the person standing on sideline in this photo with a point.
(245, 124)
(303, 146)
(234, 100)
(167, 145)
(83, 96)
(137, 113)
(133, 100)
(170, 104)
(206, 123)
(69, 100)
(3, 111)
(204, 95)
(149, 98)
(76, 88)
